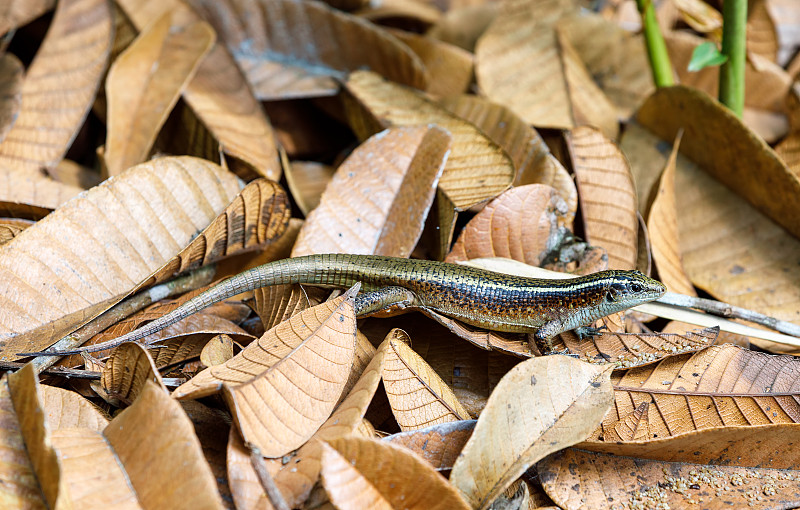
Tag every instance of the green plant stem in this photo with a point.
(660, 64)
(734, 45)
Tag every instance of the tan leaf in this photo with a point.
(212, 427)
(407, 13)
(542, 405)
(307, 180)
(449, 67)
(246, 489)
(59, 85)
(631, 482)
(418, 396)
(11, 79)
(153, 439)
(463, 25)
(720, 386)
(438, 444)
(476, 169)
(293, 49)
(144, 84)
(217, 351)
(762, 37)
(523, 223)
(220, 97)
(379, 197)
(23, 190)
(532, 159)
(701, 17)
(16, 13)
(277, 303)
(365, 473)
(607, 195)
(70, 265)
(127, 371)
(662, 223)
(9, 231)
(66, 409)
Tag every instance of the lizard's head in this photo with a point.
(630, 288)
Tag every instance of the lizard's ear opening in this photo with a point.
(615, 292)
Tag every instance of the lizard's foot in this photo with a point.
(584, 332)
(565, 352)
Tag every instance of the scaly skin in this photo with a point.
(486, 299)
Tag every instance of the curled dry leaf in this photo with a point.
(607, 195)
(66, 409)
(220, 97)
(246, 489)
(292, 49)
(720, 386)
(524, 223)
(662, 223)
(720, 144)
(476, 169)
(438, 444)
(153, 440)
(277, 303)
(762, 37)
(80, 261)
(366, 473)
(11, 78)
(449, 67)
(282, 387)
(627, 350)
(127, 371)
(379, 197)
(542, 405)
(417, 395)
(60, 85)
(531, 157)
(405, 13)
(307, 180)
(17, 13)
(144, 84)
(217, 351)
(579, 479)
(523, 62)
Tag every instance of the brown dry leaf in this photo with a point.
(662, 223)
(476, 170)
(277, 303)
(11, 79)
(462, 25)
(74, 174)
(607, 195)
(9, 231)
(366, 473)
(78, 260)
(786, 16)
(762, 37)
(127, 371)
(525, 63)
(292, 49)
(720, 386)
(66, 409)
(21, 189)
(379, 197)
(144, 84)
(647, 155)
(212, 427)
(418, 397)
(580, 479)
(532, 159)
(307, 181)
(438, 444)
(523, 223)
(701, 17)
(16, 13)
(154, 440)
(542, 405)
(449, 67)
(220, 97)
(59, 85)
(406, 14)
(246, 489)
(217, 351)
(307, 359)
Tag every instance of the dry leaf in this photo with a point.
(78, 261)
(542, 405)
(438, 444)
(127, 371)
(762, 37)
(16, 13)
(463, 25)
(24, 191)
(449, 67)
(607, 196)
(418, 397)
(66, 409)
(292, 49)
(307, 180)
(662, 223)
(379, 197)
(277, 303)
(59, 85)
(144, 84)
(524, 223)
(532, 159)
(246, 489)
(11, 79)
(217, 351)
(365, 473)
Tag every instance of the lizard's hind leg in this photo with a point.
(386, 301)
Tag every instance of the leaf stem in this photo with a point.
(660, 64)
(734, 45)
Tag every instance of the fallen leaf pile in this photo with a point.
(150, 147)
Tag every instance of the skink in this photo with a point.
(486, 299)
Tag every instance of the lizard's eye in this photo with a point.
(636, 287)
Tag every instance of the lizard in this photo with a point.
(478, 297)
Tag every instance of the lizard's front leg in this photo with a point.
(543, 338)
(385, 301)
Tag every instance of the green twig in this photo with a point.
(660, 64)
(734, 45)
